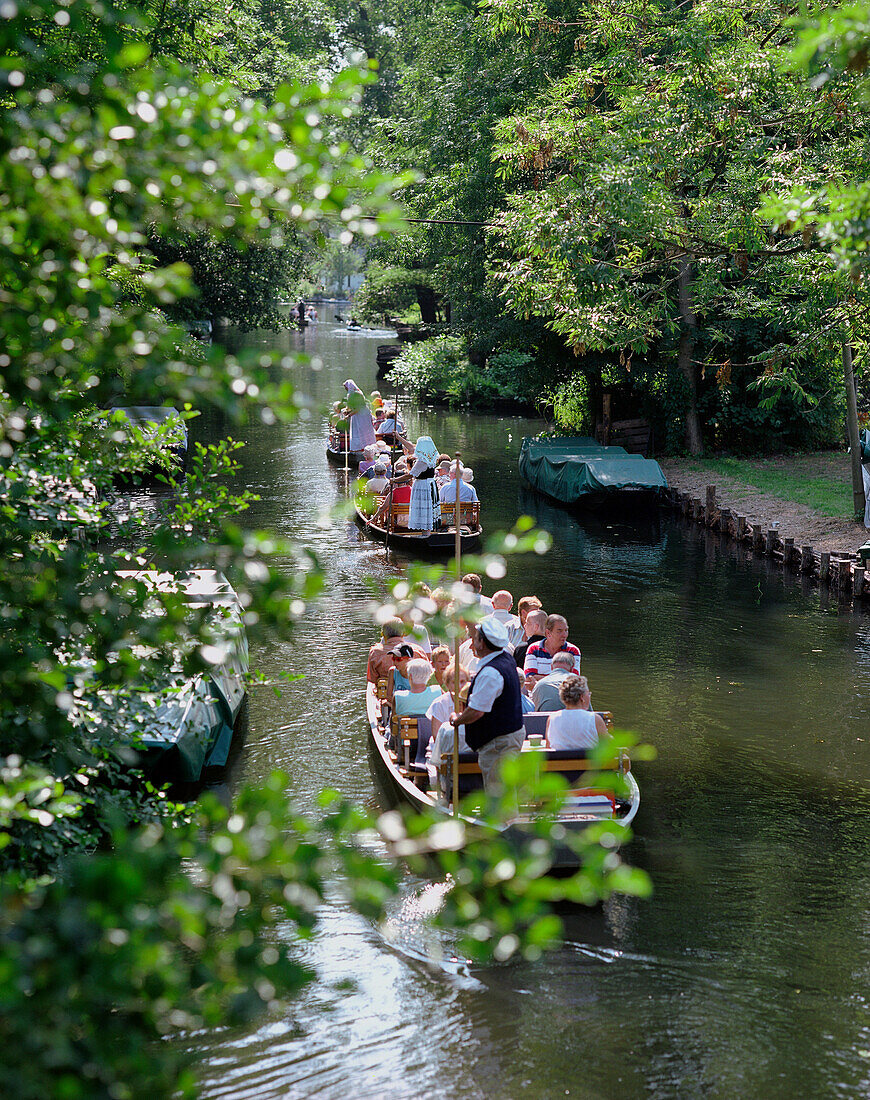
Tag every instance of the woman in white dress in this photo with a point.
(575, 727)
(362, 429)
(424, 513)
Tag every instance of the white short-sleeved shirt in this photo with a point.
(467, 658)
(441, 709)
(572, 729)
(419, 635)
(488, 684)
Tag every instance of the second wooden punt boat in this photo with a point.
(338, 456)
(337, 453)
(393, 747)
(442, 541)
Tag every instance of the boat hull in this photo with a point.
(442, 543)
(338, 458)
(401, 792)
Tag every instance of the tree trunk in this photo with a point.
(858, 500)
(426, 299)
(686, 350)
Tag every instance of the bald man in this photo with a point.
(502, 602)
(536, 624)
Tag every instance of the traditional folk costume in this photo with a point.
(425, 511)
(362, 430)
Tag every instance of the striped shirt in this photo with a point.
(540, 663)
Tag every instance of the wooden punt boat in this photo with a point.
(442, 541)
(337, 456)
(393, 749)
(337, 453)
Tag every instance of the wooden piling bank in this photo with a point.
(841, 572)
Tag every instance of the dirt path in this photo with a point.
(805, 525)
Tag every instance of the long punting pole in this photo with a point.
(392, 464)
(458, 546)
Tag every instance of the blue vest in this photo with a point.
(507, 710)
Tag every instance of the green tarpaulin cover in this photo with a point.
(570, 469)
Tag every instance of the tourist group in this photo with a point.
(509, 666)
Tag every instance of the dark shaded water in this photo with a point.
(746, 975)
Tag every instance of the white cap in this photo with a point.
(494, 631)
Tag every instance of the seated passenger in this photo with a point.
(401, 495)
(389, 428)
(380, 662)
(525, 694)
(379, 483)
(442, 474)
(533, 631)
(476, 585)
(539, 655)
(575, 727)
(440, 660)
(439, 714)
(502, 602)
(545, 693)
(448, 492)
(397, 677)
(526, 604)
(418, 698)
(371, 454)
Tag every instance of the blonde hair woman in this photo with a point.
(575, 727)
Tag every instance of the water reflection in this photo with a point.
(745, 974)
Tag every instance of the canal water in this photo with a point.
(746, 974)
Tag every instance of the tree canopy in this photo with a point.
(620, 161)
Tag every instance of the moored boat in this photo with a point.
(145, 423)
(393, 745)
(580, 471)
(184, 724)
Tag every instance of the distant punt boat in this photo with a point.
(147, 421)
(337, 456)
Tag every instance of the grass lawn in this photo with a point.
(821, 481)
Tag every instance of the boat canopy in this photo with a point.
(571, 468)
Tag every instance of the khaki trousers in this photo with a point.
(492, 754)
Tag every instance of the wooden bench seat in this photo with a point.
(566, 763)
(469, 513)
